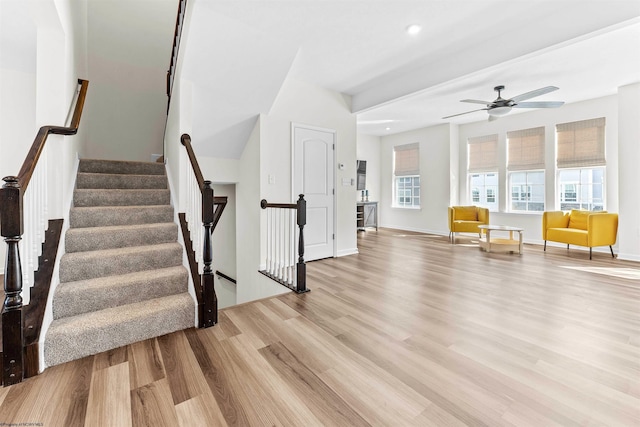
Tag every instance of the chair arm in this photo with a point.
(602, 229)
(483, 215)
(451, 215)
(554, 219)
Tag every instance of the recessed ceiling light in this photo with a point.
(414, 29)
(387, 128)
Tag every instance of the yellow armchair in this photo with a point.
(582, 228)
(466, 219)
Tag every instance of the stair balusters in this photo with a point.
(280, 264)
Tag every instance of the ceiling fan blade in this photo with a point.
(467, 112)
(534, 93)
(476, 101)
(540, 104)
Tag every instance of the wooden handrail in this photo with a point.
(185, 139)
(182, 11)
(30, 162)
(224, 276)
(264, 205)
(12, 229)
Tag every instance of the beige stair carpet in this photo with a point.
(121, 277)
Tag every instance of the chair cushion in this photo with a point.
(466, 213)
(578, 219)
(573, 236)
(466, 226)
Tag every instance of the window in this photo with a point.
(525, 164)
(406, 175)
(527, 191)
(581, 164)
(408, 191)
(484, 189)
(581, 188)
(483, 171)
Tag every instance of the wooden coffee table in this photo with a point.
(493, 244)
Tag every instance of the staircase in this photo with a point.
(121, 277)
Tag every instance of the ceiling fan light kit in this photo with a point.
(499, 111)
(500, 107)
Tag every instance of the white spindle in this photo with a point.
(281, 243)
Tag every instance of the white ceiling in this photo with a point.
(359, 47)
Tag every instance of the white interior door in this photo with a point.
(313, 176)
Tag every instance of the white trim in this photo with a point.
(55, 277)
(185, 260)
(629, 257)
(346, 252)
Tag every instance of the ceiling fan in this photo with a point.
(501, 106)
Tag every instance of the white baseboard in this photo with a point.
(629, 257)
(345, 252)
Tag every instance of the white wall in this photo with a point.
(532, 222)
(368, 148)
(129, 49)
(224, 246)
(303, 103)
(629, 171)
(251, 284)
(41, 47)
(435, 176)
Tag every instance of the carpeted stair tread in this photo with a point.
(119, 236)
(75, 337)
(83, 296)
(122, 277)
(121, 167)
(102, 216)
(111, 262)
(92, 197)
(120, 181)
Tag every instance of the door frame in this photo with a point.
(294, 197)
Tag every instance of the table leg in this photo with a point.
(488, 240)
(520, 244)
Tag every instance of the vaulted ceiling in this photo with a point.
(240, 51)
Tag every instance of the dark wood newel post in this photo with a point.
(301, 268)
(12, 321)
(210, 311)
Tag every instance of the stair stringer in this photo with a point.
(55, 278)
(185, 260)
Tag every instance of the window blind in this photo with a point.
(483, 153)
(526, 149)
(406, 159)
(581, 144)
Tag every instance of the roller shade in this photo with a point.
(526, 149)
(581, 144)
(406, 160)
(483, 153)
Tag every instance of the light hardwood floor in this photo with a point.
(412, 331)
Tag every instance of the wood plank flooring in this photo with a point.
(413, 331)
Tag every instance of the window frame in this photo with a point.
(483, 191)
(411, 188)
(406, 166)
(530, 191)
(578, 190)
